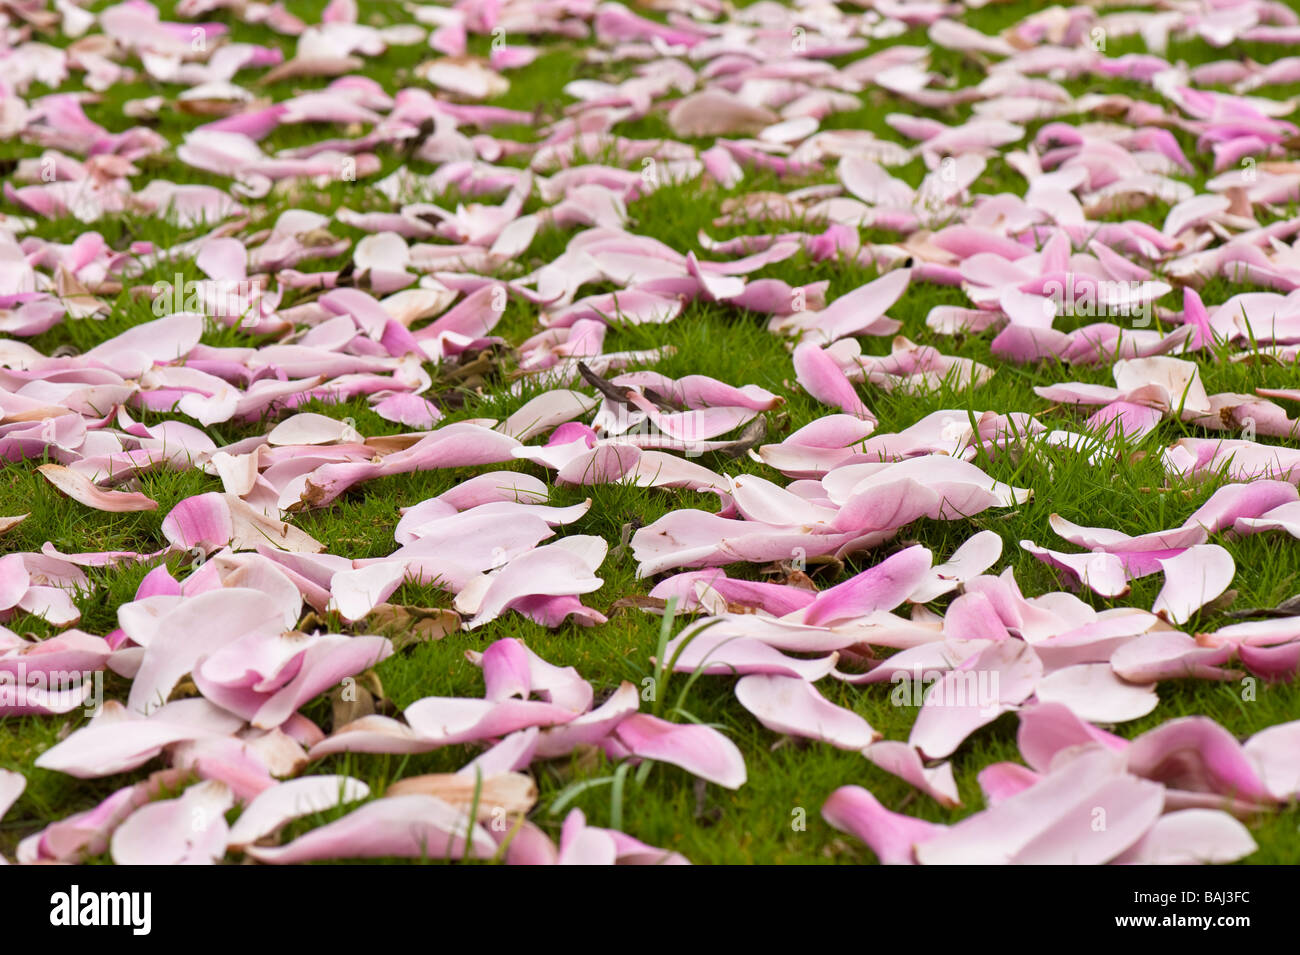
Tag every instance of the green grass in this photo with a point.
(707, 824)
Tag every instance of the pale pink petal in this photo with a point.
(590, 727)
(1191, 837)
(1001, 781)
(882, 587)
(1274, 752)
(80, 488)
(512, 754)
(787, 704)
(196, 627)
(281, 804)
(200, 521)
(1096, 694)
(355, 593)
(904, 762)
(818, 374)
(552, 571)
(1193, 579)
(581, 844)
(1055, 821)
(11, 787)
(1234, 501)
(373, 734)
(116, 740)
(1048, 728)
(893, 837)
(409, 410)
(1170, 655)
(190, 830)
(1197, 754)
(973, 695)
(441, 721)
(268, 692)
(545, 412)
(311, 429)
(972, 558)
(635, 852)
(719, 654)
(531, 846)
(413, 827)
(700, 750)
(15, 580)
(1101, 572)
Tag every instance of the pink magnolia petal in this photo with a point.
(409, 410)
(1048, 728)
(1235, 501)
(818, 374)
(11, 787)
(252, 528)
(442, 721)
(1283, 518)
(510, 668)
(855, 312)
(1095, 693)
(974, 694)
(355, 593)
(280, 804)
(699, 750)
(882, 587)
(973, 616)
(1191, 837)
(1102, 573)
(1170, 655)
(1273, 752)
(200, 521)
(496, 486)
(904, 762)
(53, 604)
(635, 852)
(1001, 781)
(545, 412)
(1271, 663)
(266, 703)
(512, 754)
(972, 558)
(15, 580)
(721, 654)
(1054, 821)
(1193, 579)
(190, 830)
(87, 833)
(80, 488)
(791, 705)
(164, 340)
(531, 846)
(412, 827)
(196, 627)
(590, 727)
(551, 571)
(506, 671)
(893, 837)
(694, 589)
(373, 734)
(116, 740)
(581, 844)
(310, 429)
(1197, 754)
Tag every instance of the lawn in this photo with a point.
(775, 817)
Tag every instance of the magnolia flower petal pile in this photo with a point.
(186, 302)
